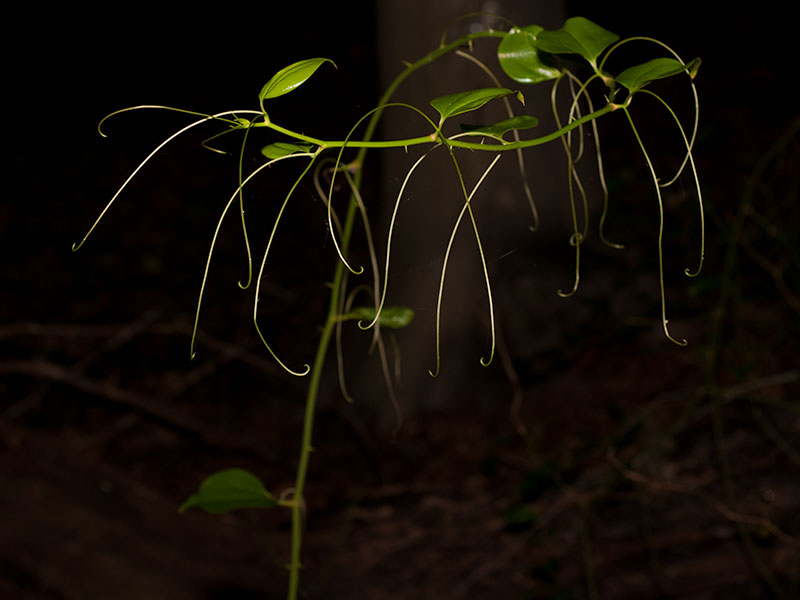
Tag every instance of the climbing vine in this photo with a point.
(526, 56)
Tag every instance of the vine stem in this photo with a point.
(308, 430)
(366, 143)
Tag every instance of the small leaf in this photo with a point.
(694, 66)
(457, 104)
(637, 77)
(520, 58)
(281, 149)
(502, 127)
(228, 490)
(579, 36)
(394, 317)
(288, 78)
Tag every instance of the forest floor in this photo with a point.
(630, 468)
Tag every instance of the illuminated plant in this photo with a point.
(527, 55)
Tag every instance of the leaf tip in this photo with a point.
(693, 67)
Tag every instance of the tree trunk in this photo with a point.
(432, 200)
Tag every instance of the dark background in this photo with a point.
(105, 426)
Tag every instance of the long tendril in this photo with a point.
(389, 239)
(218, 117)
(598, 157)
(192, 347)
(664, 320)
(77, 246)
(306, 368)
(515, 132)
(323, 195)
(437, 133)
(696, 182)
(373, 257)
(241, 212)
(464, 209)
(577, 237)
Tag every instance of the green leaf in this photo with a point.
(502, 127)
(578, 36)
(281, 149)
(520, 58)
(456, 104)
(637, 77)
(394, 317)
(288, 78)
(228, 490)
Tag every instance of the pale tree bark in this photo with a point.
(407, 30)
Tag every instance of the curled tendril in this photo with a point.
(306, 368)
(241, 212)
(322, 194)
(339, 160)
(664, 321)
(389, 239)
(218, 117)
(192, 347)
(604, 187)
(572, 178)
(373, 257)
(688, 272)
(520, 155)
(76, 246)
(582, 91)
(574, 240)
(465, 209)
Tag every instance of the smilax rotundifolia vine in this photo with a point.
(527, 55)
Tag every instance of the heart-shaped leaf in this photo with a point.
(578, 36)
(288, 78)
(457, 104)
(500, 128)
(228, 490)
(394, 317)
(281, 149)
(637, 77)
(521, 59)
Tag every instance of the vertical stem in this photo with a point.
(311, 397)
(306, 447)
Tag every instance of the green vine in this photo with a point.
(528, 56)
